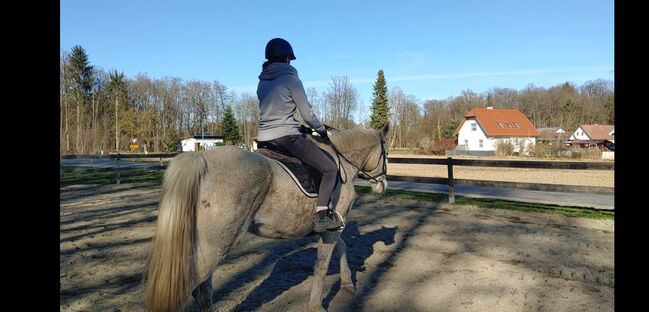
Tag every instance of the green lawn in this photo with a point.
(496, 204)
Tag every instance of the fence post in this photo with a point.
(117, 159)
(451, 190)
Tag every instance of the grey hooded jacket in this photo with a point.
(281, 94)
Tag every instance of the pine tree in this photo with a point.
(79, 74)
(117, 88)
(230, 129)
(380, 109)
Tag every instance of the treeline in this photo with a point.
(102, 111)
(565, 105)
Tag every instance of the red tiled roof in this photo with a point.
(503, 122)
(598, 132)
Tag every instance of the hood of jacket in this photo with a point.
(275, 70)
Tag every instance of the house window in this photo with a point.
(473, 126)
(480, 142)
(466, 142)
(516, 124)
(500, 123)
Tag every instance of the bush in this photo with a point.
(504, 148)
(540, 150)
(430, 147)
(557, 149)
(592, 153)
(582, 153)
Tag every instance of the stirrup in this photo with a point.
(340, 217)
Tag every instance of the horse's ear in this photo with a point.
(385, 129)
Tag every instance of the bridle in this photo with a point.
(381, 175)
(376, 178)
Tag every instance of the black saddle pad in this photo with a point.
(308, 177)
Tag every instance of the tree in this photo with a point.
(380, 108)
(117, 89)
(79, 74)
(342, 99)
(449, 132)
(230, 129)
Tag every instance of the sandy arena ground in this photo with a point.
(405, 256)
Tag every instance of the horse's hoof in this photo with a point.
(349, 289)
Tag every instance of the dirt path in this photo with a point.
(405, 256)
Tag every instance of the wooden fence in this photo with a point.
(449, 180)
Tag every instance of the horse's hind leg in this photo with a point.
(325, 249)
(345, 273)
(203, 295)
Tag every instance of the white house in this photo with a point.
(201, 142)
(483, 128)
(591, 135)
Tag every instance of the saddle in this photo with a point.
(306, 177)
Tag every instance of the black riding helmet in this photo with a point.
(279, 47)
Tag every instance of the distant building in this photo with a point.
(593, 135)
(483, 128)
(551, 135)
(199, 142)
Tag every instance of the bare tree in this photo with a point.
(342, 99)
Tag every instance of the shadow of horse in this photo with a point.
(295, 268)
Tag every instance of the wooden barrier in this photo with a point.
(450, 180)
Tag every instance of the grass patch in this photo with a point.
(578, 212)
(402, 151)
(72, 176)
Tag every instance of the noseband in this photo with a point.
(366, 176)
(380, 176)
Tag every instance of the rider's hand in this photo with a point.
(324, 136)
(305, 130)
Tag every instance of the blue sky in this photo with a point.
(430, 49)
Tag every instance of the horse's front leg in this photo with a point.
(345, 273)
(325, 249)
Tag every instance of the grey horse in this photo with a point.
(211, 199)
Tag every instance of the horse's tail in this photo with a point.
(171, 265)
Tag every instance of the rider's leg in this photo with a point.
(310, 154)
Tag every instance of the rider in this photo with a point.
(281, 94)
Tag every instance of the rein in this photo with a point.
(374, 178)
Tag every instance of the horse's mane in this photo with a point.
(351, 140)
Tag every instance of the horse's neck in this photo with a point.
(348, 169)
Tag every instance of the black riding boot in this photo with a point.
(326, 220)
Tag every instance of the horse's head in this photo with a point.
(376, 165)
(365, 149)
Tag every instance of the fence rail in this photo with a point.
(119, 156)
(536, 164)
(449, 180)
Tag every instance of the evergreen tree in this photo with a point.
(449, 132)
(380, 109)
(79, 73)
(230, 129)
(117, 88)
